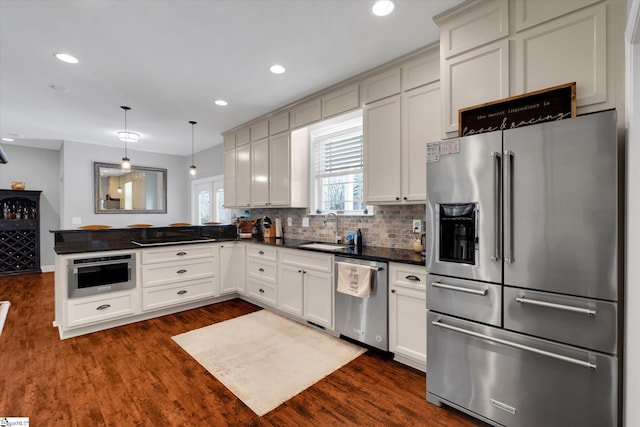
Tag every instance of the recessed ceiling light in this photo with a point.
(65, 57)
(220, 102)
(382, 7)
(8, 139)
(277, 69)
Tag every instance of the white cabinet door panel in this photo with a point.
(279, 171)
(243, 176)
(542, 58)
(260, 173)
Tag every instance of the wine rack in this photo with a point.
(19, 232)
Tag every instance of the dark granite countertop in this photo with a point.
(113, 239)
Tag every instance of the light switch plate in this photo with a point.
(417, 226)
(305, 221)
(289, 222)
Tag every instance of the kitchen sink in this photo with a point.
(323, 246)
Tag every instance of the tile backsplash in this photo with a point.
(388, 227)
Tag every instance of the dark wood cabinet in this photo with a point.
(19, 232)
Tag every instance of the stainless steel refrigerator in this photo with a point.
(524, 291)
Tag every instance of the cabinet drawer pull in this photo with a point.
(482, 292)
(182, 292)
(261, 290)
(103, 307)
(261, 252)
(261, 270)
(181, 253)
(523, 300)
(413, 277)
(181, 271)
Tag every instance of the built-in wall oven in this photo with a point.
(96, 275)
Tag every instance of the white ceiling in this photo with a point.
(170, 59)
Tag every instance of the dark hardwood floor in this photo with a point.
(137, 375)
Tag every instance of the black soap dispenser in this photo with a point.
(359, 241)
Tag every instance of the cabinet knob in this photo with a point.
(404, 198)
(393, 291)
(299, 271)
(261, 270)
(397, 198)
(261, 253)
(261, 290)
(103, 307)
(182, 292)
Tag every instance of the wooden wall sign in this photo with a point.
(554, 103)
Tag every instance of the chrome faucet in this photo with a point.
(324, 223)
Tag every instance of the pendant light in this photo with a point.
(192, 169)
(126, 136)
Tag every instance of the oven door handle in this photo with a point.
(516, 345)
(482, 292)
(564, 307)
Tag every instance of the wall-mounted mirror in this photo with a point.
(139, 190)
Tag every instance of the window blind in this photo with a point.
(338, 154)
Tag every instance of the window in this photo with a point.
(336, 166)
(208, 201)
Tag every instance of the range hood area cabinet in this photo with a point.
(401, 114)
(258, 168)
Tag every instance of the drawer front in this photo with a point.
(177, 253)
(262, 252)
(262, 291)
(408, 276)
(266, 271)
(535, 383)
(162, 274)
(469, 299)
(579, 321)
(168, 295)
(99, 309)
(307, 259)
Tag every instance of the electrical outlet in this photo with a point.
(289, 222)
(417, 226)
(305, 221)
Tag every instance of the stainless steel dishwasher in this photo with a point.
(364, 319)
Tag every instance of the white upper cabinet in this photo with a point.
(340, 101)
(420, 71)
(230, 177)
(243, 176)
(279, 170)
(421, 120)
(382, 156)
(306, 113)
(550, 43)
(279, 123)
(381, 86)
(229, 140)
(582, 33)
(260, 173)
(243, 136)
(259, 130)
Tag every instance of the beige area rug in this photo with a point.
(265, 359)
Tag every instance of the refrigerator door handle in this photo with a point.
(564, 307)
(508, 207)
(482, 292)
(519, 346)
(497, 211)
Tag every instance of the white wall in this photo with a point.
(632, 285)
(209, 162)
(77, 182)
(39, 169)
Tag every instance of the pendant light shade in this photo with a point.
(192, 169)
(126, 136)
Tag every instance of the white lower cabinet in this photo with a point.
(101, 308)
(179, 274)
(305, 286)
(408, 314)
(262, 273)
(232, 265)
